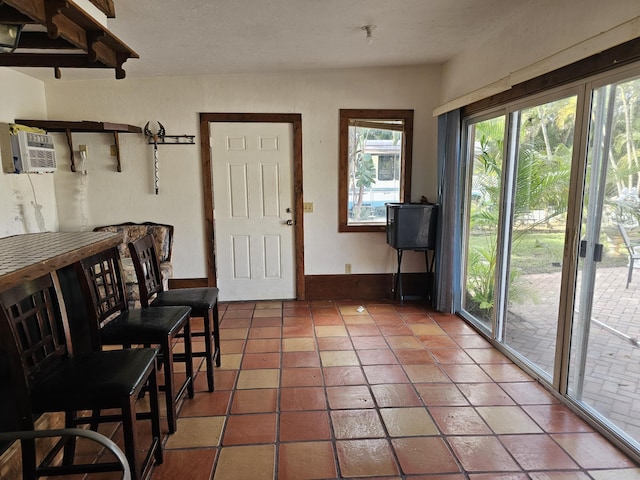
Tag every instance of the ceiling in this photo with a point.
(194, 37)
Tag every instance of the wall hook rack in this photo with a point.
(174, 140)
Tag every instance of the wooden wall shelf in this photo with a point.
(83, 127)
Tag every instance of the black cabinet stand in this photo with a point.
(429, 260)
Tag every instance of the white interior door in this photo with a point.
(253, 205)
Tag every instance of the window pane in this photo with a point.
(375, 166)
(485, 153)
(372, 183)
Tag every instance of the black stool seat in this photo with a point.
(197, 298)
(93, 380)
(144, 326)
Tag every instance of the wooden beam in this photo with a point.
(105, 6)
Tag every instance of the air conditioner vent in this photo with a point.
(33, 152)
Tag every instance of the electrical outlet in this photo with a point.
(82, 148)
(308, 207)
(347, 268)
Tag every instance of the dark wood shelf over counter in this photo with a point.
(84, 126)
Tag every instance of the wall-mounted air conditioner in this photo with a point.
(33, 152)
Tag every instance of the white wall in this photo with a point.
(542, 36)
(105, 196)
(24, 197)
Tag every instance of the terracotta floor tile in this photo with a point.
(303, 398)
(404, 342)
(363, 330)
(367, 343)
(265, 332)
(393, 392)
(425, 328)
(482, 454)
(334, 376)
(206, 404)
(230, 361)
(254, 401)
(366, 458)
(426, 374)
(356, 396)
(335, 343)
(480, 394)
(556, 418)
(306, 461)
(591, 450)
(377, 357)
(301, 377)
(233, 333)
(424, 455)
(435, 342)
(264, 345)
(331, 331)
(504, 372)
(302, 344)
(256, 462)
(297, 331)
(466, 373)
(487, 355)
(508, 419)
(259, 378)
(260, 360)
(396, 395)
(537, 452)
(459, 421)
(200, 463)
(339, 358)
(232, 346)
(357, 424)
(385, 374)
(300, 359)
(414, 357)
(197, 432)
(529, 393)
(302, 426)
(408, 422)
(250, 429)
(399, 329)
(451, 355)
(441, 395)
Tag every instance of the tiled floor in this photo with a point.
(328, 390)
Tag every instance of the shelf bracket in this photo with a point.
(116, 139)
(70, 143)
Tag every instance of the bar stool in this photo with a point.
(104, 291)
(46, 376)
(203, 301)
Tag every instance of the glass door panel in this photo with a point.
(603, 370)
(540, 192)
(485, 141)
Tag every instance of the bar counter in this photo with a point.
(28, 256)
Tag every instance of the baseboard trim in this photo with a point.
(365, 286)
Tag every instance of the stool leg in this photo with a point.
(188, 357)
(169, 386)
(216, 333)
(208, 347)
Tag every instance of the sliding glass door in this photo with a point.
(551, 245)
(604, 375)
(515, 224)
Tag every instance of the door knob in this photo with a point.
(289, 222)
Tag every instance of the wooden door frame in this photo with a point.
(295, 119)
